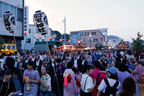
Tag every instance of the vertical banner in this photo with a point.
(76, 37)
(26, 20)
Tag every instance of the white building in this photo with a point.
(113, 41)
(104, 31)
(33, 36)
(16, 7)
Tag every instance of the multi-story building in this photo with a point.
(113, 41)
(33, 36)
(17, 8)
(90, 37)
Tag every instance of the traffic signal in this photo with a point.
(41, 22)
(9, 21)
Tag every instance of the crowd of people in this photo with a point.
(74, 73)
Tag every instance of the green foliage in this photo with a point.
(1, 42)
(98, 46)
(138, 43)
(67, 36)
(58, 35)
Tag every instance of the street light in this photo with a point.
(90, 41)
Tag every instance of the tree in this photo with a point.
(58, 35)
(1, 43)
(67, 37)
(98, 46)
(138, 43)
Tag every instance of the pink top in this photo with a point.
(95, 74)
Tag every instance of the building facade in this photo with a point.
(113, 41)
(33, 36)
(90, 37)
(17, 8)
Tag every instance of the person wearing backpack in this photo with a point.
(109, 86)
(87, 83)
(98, 75)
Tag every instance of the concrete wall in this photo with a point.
(19, 27)
(86, 39)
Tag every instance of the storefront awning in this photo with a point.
(49, 42)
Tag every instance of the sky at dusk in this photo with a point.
(123, 18)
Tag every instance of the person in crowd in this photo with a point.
(122, 74)
(87, 83)
(139, 76)
(44, 64)
(60, 68)
(130, 66)
(128, 88)
(7, 86)
(83, 61)
(10, 63)
(89, 58)
(31, 78)
(99, 76)
(79, 56)
(104, 62)
(2, 61)
(75, 60)
(61, 57)
(68, 58)
(45, 83)
(40, 56)
(37, 64)
(70, 90)
(19, 72)
(109, 86)
(78, 80)
(33, 57)
(26, 60)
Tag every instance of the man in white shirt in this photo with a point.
(87, 83)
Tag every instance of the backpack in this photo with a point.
(110, 90)
(97, 81)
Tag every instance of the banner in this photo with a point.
(76, 37)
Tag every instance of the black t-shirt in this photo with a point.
(5, 87)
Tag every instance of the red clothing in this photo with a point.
(95, 74)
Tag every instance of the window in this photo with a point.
(29, 30)
(93, 33)
(5, 7)
(28, 40)
(83, 39)
(95, 40)
(43, 40)
(19, 14)
(114, 40)
(0, 9)
(86, 33)
(81, 34)
(13, 10)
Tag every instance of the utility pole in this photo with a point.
(64, 30)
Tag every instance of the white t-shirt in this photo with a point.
(89, 83)
(75, 63)
(83, 62)
(103, 85)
